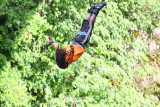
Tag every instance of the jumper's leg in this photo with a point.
(94, 10)
(88, 16)
(92, 18)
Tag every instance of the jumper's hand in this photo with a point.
(50, 39)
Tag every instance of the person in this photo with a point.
(72, 52)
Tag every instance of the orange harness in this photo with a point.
(72, 56)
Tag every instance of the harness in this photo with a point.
(86, 36)
(85, 39)
(77, 44)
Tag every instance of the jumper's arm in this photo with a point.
(52, 43)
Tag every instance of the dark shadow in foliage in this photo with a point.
(14, 16)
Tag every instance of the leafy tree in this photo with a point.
(106, 75)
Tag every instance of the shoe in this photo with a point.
(91, 9)
(98, 7)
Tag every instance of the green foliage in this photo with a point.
(153, 88)
(13, 89)
(142, 12)
(105, 73)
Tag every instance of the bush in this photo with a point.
(104, 75)
(144, 13)
(13, 89)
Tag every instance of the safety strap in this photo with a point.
(86, 36)
(77, 44)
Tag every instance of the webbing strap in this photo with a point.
(77, 44)
(86, 36)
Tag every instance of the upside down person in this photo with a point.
(72, 52)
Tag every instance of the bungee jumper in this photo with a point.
(72, 52)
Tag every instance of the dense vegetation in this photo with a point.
(110, 71)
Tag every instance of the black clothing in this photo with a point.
(84, 35)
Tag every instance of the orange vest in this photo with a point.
(78, 51)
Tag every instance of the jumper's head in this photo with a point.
(64, 56)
